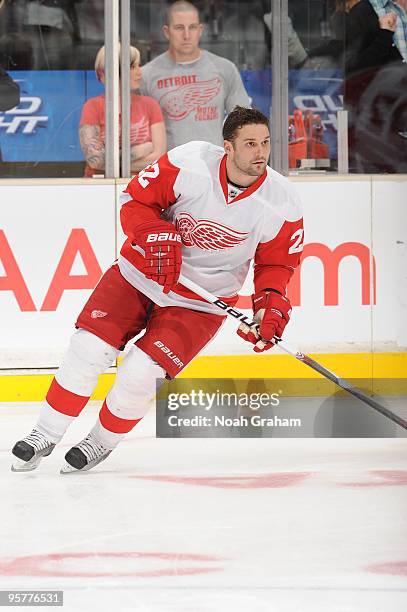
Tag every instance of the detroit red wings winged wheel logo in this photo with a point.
(207, 235)
(178, 103)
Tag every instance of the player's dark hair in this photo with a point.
(239, 117)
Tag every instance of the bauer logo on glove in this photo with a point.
(272, 313)
(164, 236)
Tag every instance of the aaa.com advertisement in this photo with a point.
(350, 293)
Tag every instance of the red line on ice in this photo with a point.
(252, 481)
(52, 564)
(395, 568)
(382, 478)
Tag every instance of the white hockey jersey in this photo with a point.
(221, 230)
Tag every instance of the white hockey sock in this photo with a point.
(108, 438)
(52, 423)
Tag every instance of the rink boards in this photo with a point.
(349, 297)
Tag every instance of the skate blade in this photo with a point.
(68, 469)
(25, 466)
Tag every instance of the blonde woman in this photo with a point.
(147, 129)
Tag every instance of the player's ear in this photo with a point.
(228, 146)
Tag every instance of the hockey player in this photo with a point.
(208, 210)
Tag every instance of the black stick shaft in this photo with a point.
(352, 390)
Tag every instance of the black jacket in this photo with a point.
(9, 92)
(368, 51)
(375, 89)
(367, 46)
(359, 44)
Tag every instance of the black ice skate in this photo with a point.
(85, 455)
(30, 450)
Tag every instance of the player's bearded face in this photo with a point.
(251, 149)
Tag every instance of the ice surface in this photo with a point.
(276, 525)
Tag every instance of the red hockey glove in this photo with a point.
(272, 313)
(162, 252)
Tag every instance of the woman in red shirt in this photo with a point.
(147, 129)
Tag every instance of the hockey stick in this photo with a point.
(341, 382)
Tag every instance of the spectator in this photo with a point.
(195, 88)
(330, 54)
(147, 129)
(397, 11)
(53, 28)
(297, 55)
(375, 81)
(374, 38)
(242, 34)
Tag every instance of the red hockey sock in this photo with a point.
(115, 424)
(65, 401)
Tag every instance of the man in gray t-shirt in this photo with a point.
(195, 88)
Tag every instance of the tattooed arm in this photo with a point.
(92, 146)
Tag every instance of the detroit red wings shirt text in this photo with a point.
(179, 102)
